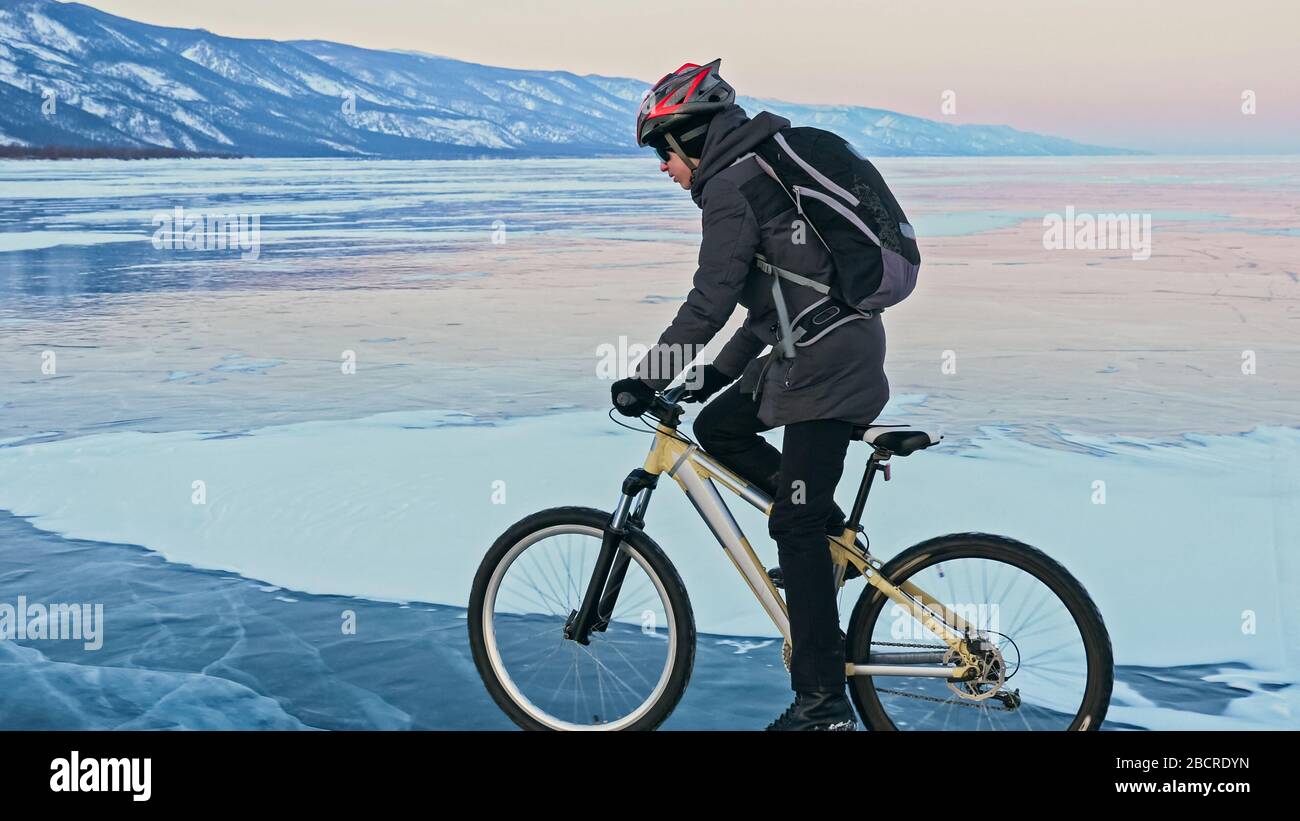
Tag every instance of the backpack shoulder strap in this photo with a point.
(790, 276)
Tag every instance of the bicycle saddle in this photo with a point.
(900, 440)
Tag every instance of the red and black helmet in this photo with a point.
(690, 95)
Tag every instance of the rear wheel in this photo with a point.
(1045, 652)
(632, 673)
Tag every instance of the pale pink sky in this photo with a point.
(1165, 75)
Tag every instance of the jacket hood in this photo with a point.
(732, 134)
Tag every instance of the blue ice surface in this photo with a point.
(965, 223)
(246, 367)
(87, 229)
(186, 648)
(1275, 232)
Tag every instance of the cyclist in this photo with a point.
(705, 143)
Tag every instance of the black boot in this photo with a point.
(817, 710)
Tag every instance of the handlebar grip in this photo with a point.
(625, 400)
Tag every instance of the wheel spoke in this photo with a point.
(620, 675)
(1042, 648)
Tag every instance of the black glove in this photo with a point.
(710, 380)
(631, 397)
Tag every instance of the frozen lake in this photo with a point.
(412, 333)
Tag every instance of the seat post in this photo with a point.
(859, 503)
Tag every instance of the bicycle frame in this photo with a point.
(695, 472)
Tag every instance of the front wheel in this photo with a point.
(1045, 655)
(635, 667)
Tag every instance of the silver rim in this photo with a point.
(560, 595)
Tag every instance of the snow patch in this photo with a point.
(153, 79)
(214, 60)
(324, 85)
(350, 149)
(92, 106)
(42, 52)
(535, 90)
(54, 34)
(131, 45)
(486, 89)
(202, 126)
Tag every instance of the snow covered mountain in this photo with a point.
(71, 75)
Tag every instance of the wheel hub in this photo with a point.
(990, 668)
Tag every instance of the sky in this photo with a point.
(1158, 75)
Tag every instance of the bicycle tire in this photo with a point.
(1096, 639)
(592, 522)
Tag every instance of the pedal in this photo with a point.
(777, 577)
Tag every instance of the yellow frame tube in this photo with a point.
(668, 454)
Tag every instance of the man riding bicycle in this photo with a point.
(705, 143)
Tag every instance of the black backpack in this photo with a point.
(846, 203)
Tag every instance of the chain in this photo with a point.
(977, 706)
(925, 697)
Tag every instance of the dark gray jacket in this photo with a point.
(841, 376)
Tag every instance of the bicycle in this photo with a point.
(578, 620)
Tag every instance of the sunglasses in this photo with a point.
(664, 152)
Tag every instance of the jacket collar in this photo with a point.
(732, 134)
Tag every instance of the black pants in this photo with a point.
(801, 478)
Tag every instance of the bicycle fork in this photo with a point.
(611, 563)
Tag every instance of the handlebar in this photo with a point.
(664, 407)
